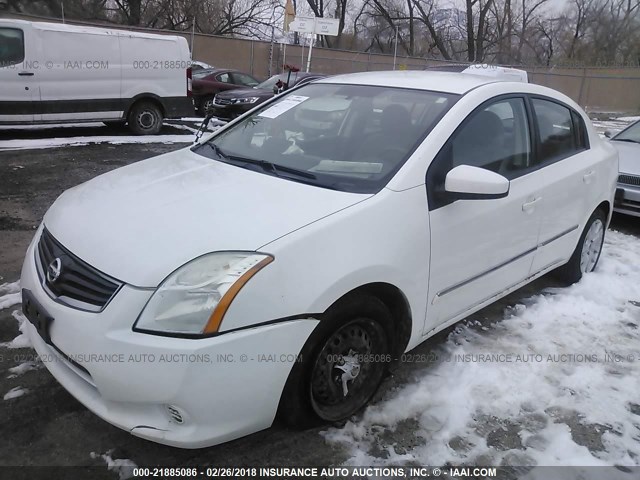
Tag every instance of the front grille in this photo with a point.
(78, 284)
(629, 180)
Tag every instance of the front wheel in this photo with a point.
(342, 364)
(587, 253)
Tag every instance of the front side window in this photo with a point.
(345, 137)
(496, 138)
(630, 134)
(555, 126)
(11, 47)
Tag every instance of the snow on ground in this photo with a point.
(123, 466)
(565, 361)
(22, 369)
(22, 340)
(39, 143)
(10, 294)
(15, 393)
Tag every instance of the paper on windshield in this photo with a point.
(282, 106)
(339, 166)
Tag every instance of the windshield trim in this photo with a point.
(332, 181)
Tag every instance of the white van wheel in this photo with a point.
(145, 118)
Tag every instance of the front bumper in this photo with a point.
(232, 111)
(627, 200)
(222, 387)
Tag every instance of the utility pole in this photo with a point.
(395, 49)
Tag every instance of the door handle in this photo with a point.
(26, 74)
(528, 207)
(587, 177)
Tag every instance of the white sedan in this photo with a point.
(281, 264)
(627, 142)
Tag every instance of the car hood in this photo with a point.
(629, 154)
(245, 92)
(140, 222)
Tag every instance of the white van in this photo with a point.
(56, 73)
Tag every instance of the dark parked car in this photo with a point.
(210, 81)
(232, 103)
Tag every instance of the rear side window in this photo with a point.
(582, 139)
(558, 135)
(11, 47)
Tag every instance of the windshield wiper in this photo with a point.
(274, 167)
(216, 149)
(266, 166)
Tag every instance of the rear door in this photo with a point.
(482, 247)
(82, 74)
(568, 173)
(18, 75)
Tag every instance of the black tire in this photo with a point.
(145, 118)
(201, 104)
(573, 270)
(358, 325)
(115, 124)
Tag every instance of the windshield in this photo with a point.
(270, 82)
(345, 137)
(202, 73)
(631, 134)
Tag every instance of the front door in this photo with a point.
(482, 247)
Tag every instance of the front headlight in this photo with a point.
(194, 298)
(245, 100)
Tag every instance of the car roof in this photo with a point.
(447, 82)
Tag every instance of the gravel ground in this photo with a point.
(47, 426)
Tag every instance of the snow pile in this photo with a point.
(22, 369)
(123, 466)
(10, 294)
(15, 393)
(22, 340)
(580, 383)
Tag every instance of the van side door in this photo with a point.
(81, 76)
(18, 74)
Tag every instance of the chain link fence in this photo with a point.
(597, 89)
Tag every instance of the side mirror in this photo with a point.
(608, 133)
(467, 182)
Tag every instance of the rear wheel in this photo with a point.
(205, 105)
(342, 364)
(587, 253)
(145, 118)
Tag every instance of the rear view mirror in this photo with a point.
(467, 182)
(608, 134)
